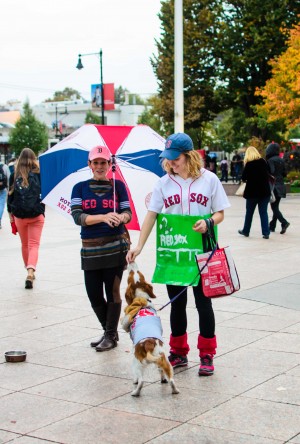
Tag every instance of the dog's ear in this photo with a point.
(130, 290)
(146, 286)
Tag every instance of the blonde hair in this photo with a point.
(251, 154)
(26, 163)
(193, 161)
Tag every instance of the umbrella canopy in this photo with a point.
(136, 150)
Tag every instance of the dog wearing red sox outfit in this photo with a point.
(145, 329)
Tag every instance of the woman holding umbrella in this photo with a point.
(101, 207)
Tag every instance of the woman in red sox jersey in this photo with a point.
(102, 216)
(186, 189)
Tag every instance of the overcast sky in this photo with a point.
(40, 41)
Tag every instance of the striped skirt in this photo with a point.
(104, 252)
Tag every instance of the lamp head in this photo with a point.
(79, 64)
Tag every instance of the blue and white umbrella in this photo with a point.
(136, 150)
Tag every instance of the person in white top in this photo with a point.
(186, 189)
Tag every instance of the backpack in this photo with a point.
(26, 201)
(3, 178)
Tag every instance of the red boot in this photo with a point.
(207, 350)
(179, 349)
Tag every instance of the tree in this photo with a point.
(281, 93)
(29, 132)
(120, 94)
(227, 46)
(66, 94)
(151, 115)
(247, 36)
(200, 76)
(92, 118)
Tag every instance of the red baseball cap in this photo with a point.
(99, 151)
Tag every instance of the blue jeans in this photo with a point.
(263, 213)
(3, 194)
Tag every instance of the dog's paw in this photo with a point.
(175, 390)
(164, 381)
(135, 393)
(132, 267)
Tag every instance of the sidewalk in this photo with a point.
(67, 393)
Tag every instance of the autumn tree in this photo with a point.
(227, 46)
(248, 37)
(281, 94)
(29, 132)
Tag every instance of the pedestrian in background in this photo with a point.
(277, 169)
(224, 169)
(237, 163)
(257, 191)
(4, 177)
(101, 208)
(26, 209)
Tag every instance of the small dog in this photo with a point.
(145, 330)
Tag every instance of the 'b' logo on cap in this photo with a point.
(168, 143)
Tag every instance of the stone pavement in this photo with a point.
(66, 392)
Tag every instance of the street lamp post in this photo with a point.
(80, 66)
(56, 121)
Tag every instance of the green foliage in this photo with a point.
(227, 46)
(294, 133)
(200, 74)
(120, 93)
(29, 132)
(151, 116)
(293, 176)
(93, 118)
(66, 94)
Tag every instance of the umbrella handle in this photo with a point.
(113, 169)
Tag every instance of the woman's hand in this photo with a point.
(200, 226)
(132, 254)
(112, 219)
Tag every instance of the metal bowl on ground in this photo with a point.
(15, 356)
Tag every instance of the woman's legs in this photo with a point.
(263, 213)
(277, 215)
(179, 347)
(250, 208)
(30, 231)
(107, 310)
(205, 312)
(207, 341)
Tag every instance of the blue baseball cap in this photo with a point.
(175, 145)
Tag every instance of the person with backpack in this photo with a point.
(26, 209)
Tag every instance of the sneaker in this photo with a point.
(206, 366)
(178, 361)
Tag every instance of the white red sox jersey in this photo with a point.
(194, 197)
